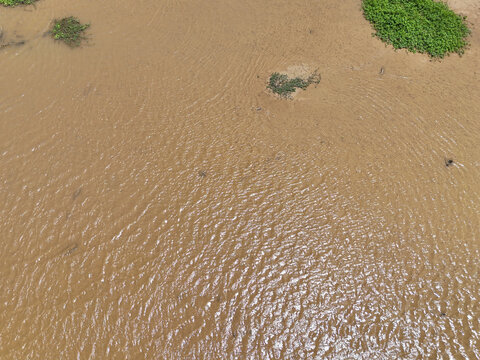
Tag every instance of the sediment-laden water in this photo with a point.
(156, 202)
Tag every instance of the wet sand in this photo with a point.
(156, 202)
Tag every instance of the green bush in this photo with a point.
(282, 85)
(16, 2)
(69, 30)
(424, 26)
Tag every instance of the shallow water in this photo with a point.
(157, 202)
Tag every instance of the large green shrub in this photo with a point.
(425, 26)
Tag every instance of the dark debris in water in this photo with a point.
(76, 193)
(69, 250)
(12, 43)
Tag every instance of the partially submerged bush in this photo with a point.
(426, 26)
(16, 2)
(282, 85)
(69, 30)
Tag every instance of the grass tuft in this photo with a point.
(69, 30)
(16, 2)
(424, 26)
(282, 85)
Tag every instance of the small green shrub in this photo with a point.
(16, 2)
(282, 85)
(69, 30)
(425, 26)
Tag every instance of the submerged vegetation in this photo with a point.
(69, 30)
(16, 2)
(425, 26)
(284, 86)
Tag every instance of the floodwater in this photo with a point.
(156, 202)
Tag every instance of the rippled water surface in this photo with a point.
(156, 202)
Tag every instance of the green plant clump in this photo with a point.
(69, 30)
(425, 26)
(282, 85)
(16, 2)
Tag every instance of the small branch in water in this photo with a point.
(448, 162)
(12, 43)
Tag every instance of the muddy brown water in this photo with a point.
(157, 203)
